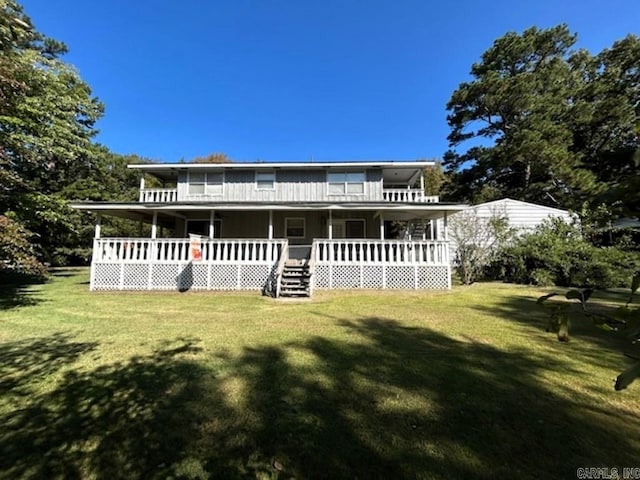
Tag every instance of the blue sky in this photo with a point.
(278, 80)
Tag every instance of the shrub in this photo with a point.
(70, 257)
(17, 255)
(556, 254)
(543, 278)
(476, 239)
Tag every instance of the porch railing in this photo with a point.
(159, 195)
(381, 252)
(407, 195)
(183, 250)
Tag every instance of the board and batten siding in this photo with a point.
(290, 186)
(255, 224)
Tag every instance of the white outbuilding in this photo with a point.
(472, 225)
(520, 215)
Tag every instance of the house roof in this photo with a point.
(392, 171)
(503, 201)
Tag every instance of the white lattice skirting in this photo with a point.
(329, 277)
(180, 276)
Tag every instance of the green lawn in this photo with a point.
(460, 384)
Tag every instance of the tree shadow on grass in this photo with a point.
(18, 291)
(133, 419)
(385, 401)
(25, 363)
(586, 339)
(65, 272)
(413, 403)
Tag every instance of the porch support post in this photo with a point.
(431, 229)
(212, 224)
(97, 250)
(98, 226)
(424, 229)
(270, 230)
(446, 227)
(154, 225)
(422, 195)
(381, 227)
(141, 187)
(330, 226)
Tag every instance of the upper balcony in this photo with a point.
(330, 182)
(393, 195)
(158, 195)
(407, 195)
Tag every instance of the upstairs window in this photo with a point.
(205, 183)
(265, 180)
(346, 183)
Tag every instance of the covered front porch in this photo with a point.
(241, 249)
(257, 264)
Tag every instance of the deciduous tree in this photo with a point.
(47, 117)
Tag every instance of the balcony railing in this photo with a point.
(406, 195)
(396, 195)
(159, 195)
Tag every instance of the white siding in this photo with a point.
(521, 215)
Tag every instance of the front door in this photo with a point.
(354, 229)
(349, 229)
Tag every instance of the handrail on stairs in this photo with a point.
(284, 256)
(312, 266)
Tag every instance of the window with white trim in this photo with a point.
(294, 227)
(346, 183)
(265, 180)
(205, 183)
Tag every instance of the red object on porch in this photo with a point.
(195, 248)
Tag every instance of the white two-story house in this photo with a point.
(282, 228)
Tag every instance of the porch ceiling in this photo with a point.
(165, 219)
(395, 211)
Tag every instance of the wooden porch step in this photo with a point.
(294, 286)
(295, 263)
(294, 293)
(296, 279)
(286, 274)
